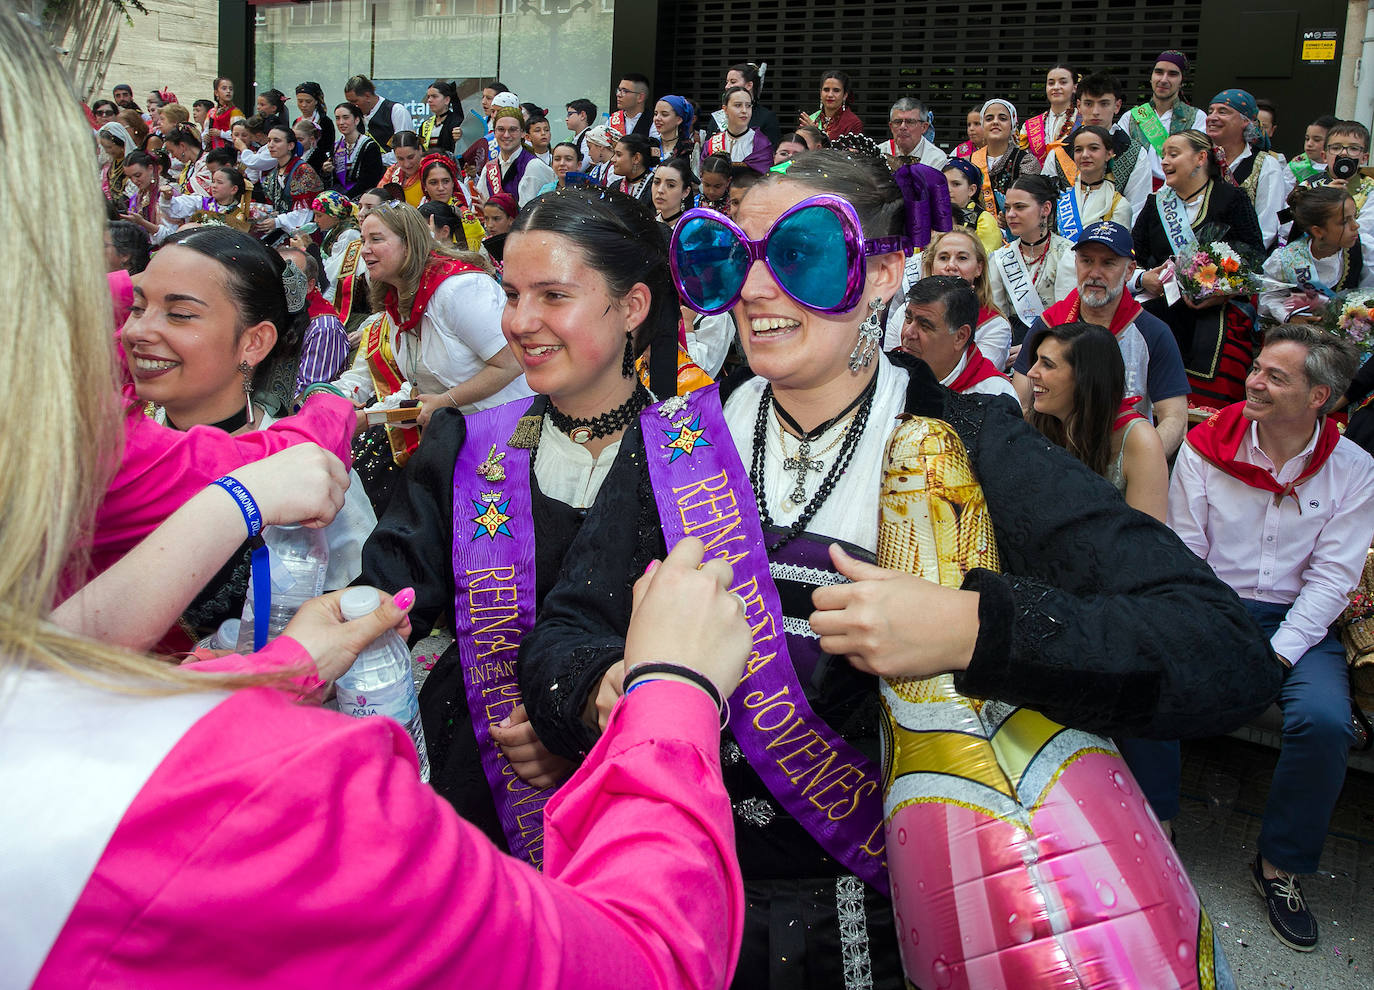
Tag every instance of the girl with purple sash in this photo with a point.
(496, 497)
(1094, 622)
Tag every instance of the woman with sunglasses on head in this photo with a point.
(737, 140)
(1000, 160)
(1036, 269)
(356, 165)
(815, 252)
(587, 290)
(834, 116)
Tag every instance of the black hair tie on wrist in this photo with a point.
(696, 677)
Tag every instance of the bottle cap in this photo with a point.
(357, 602)
(227, 634)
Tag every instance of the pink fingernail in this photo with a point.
(405, 598)
(650, 568)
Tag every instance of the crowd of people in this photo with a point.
(462, 359)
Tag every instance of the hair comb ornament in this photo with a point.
(295, 283)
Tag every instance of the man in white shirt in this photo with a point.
(1279, 505)
(941, 312)
(382, 118)
(631, 97)
(515, 169)
(1232, 125)
(909, 121)
(1165, 113)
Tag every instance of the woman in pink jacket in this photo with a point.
(170, 826)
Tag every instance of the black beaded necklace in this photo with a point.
(586, 430)
(853, 432)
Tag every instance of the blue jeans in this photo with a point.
(1156, 765)
(1317, 734)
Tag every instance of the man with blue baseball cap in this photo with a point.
(1104, 259)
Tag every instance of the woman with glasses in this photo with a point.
(739, 141)
(791, 460)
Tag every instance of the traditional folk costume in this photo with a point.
(289, 187)
(521, 176)
(808, 820)
(751, 148)
(357, 168)
(222, 119)
(436, 133)
(414, 188)
(1217, 344)
(341, 253)
(194, 179)
(1304, 168)
(1150, 129)
(240, 214)
(324, 139)
(1079, 206)
(976, 375)
(1021, 290)
(453, 328)
(640, 188)
(1295, 265)
(640, 123)
(844, 122)
(1045, 136)
(1260, 176)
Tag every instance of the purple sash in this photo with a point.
(701, 489)
(493, 571)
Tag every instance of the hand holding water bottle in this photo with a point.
(333, 642)
(301, 484)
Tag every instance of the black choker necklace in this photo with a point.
(586, 430)
(1092, 185)
(229, 425)
(802, 463)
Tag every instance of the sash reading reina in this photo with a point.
(702, 490)
(494, 606)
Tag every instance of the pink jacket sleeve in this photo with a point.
(281, 846)
(162, 468)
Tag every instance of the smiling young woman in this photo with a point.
(587, 288)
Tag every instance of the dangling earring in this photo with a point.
(627, 360)
(870, 335)
(246, 370)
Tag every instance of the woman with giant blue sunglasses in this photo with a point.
(1096, 622)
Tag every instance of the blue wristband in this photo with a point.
(252, 516)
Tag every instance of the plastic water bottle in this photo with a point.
(226, 637)
(299, 558)
(380, 681)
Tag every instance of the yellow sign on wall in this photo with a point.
(1319, 51)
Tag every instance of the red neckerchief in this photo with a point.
(1126, 412)
(1068, 308)
(977, 369)
(436, 270)
(1218, 442)
(318, 305)
(986, 313)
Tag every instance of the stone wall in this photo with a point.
(175, 45)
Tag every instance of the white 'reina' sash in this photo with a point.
(1019, 284)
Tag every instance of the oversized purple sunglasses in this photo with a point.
(815, 251)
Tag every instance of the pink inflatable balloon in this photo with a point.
(1022, 853)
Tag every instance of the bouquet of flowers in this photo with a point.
(1215, 268)
(1350, 316)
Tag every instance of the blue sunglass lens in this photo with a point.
(807, 254)
(711, 262)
